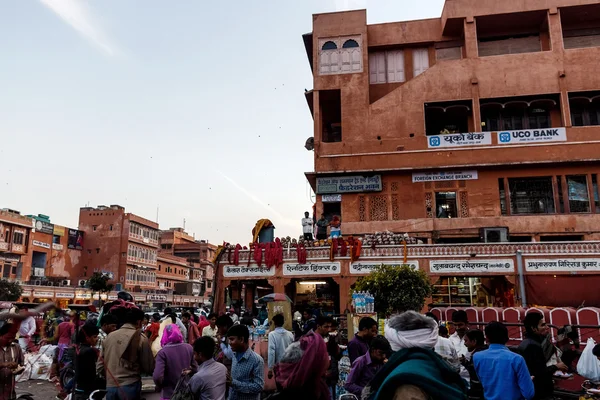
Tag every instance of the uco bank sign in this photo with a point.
(533, 136)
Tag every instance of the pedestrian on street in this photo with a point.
(27, 329)
(108, 324)
(192, 328)
(307, 227)
(460, 320)
(175, 357)
(309, 321)
(11, 357)
(536, 355)
(153, 328)
(247, 369)
(85, 362)
(414, 369)
(167, 314)
(359, 345)
(211, 329)
(366, 367)
(210, 382)
(475, 342)
(444, 347)
(279, 340)
(234, 317)
(126, 356)
(503, 373)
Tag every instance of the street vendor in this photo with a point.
(11, 361)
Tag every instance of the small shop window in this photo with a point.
(502, 193)
(596, 196)
(531, 195)
(579, 199)
(561, 200)
(56, 239)
(445, 205)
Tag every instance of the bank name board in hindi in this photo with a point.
(349, 184)
(533, 136)
(238, 271)
(319, 268)
(562, 265)
(453, 266)
(459, 140)
(444, 176)
(361, 267)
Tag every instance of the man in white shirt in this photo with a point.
(27, 329)
(461, 326)
(307, 226)
(211, 330)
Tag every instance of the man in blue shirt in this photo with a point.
(503, 374)
(247, 369)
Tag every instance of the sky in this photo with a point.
(190, 110)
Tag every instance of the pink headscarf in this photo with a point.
(309, 371)
(171, 334)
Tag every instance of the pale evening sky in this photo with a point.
(195, 107)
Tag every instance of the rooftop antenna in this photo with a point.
(157, 214)
(184, 224)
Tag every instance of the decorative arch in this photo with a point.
(349, 44)
(329, 45)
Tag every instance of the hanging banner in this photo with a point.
(459, 140)
(444, 176)
(470, 266)
(533, 136)
(319, 268)
(349, 184)
(237, 271)
(75, 239)
(562, 265)
(361, 267)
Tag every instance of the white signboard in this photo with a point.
(41, 244)
(112, 297)
(60, 295)
(459, 140)
(533, 136)
(139, 298)
(43, 295)
(57, 246)
(444, 176)
(84, 296)
(361, 267)
(156, 297)
(26, 293)
(331, 198)
(238, 271)
(454, 266)
(319, 268)
(562, 265)
(349, 184)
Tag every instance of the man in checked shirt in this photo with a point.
(247, 369)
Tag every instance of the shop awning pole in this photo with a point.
(521, 279)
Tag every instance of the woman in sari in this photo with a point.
(174, 358)
(301, 372)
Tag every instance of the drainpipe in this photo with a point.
(521, 279)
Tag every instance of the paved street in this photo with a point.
(43, 390)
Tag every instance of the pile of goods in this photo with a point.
(388, 238)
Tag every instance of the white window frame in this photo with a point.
(340, 60)
(418, 54)
(384, 68)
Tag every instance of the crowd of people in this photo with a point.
(213, 358)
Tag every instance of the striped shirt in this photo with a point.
(247, 376)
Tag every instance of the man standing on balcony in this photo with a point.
(307, 226)
(322, 225)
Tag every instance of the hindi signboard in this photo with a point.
(41, 244)
(459, 140)
(562, 265)
(318, 268)
(44, 227)
(366, 267)
(349, 184)
(533, 136)
(453, 266)
(241, 271)
(444, 176)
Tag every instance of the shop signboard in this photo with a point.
(75, 239)
(112, 297)
(444, 267)
(318, 268)
(349, 184)
(26, 293)
(83, 295)
(141, 297)
(444, 176)
(59, 230)
(43, 294)
(10, 257)
(44, 227)
(41, 244)
(63, 295)
(186, 300)
(459, 140)
(331, 198)
(562, 265)
(533, 136)
(238, 271)
(57, 246)
(157, 297)
(366, 267)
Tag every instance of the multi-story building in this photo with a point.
(487, 117)
(122, 245)
(15, 243)
(198, 253)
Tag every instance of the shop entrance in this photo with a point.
(463, 291)
(244, 294)
(320, 294)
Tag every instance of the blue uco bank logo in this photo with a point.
(434, 141)
(504, 137)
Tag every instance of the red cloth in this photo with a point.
(203, 323)
(309, 372)
(193, 332)
(153, 329)
(258, 254)
(301, 252)
(236, 254)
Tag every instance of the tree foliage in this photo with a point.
(10, 291)
(396, 289)
(98, 282)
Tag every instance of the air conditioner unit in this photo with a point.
(494, 235)
(65, 282)
(82, 282)
(37, 283)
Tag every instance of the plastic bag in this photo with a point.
(25, 375)
(588, 365)
(40, 369)
(48, 350)
(182, 390)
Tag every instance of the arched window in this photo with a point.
(329, 45)
(351, 43)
